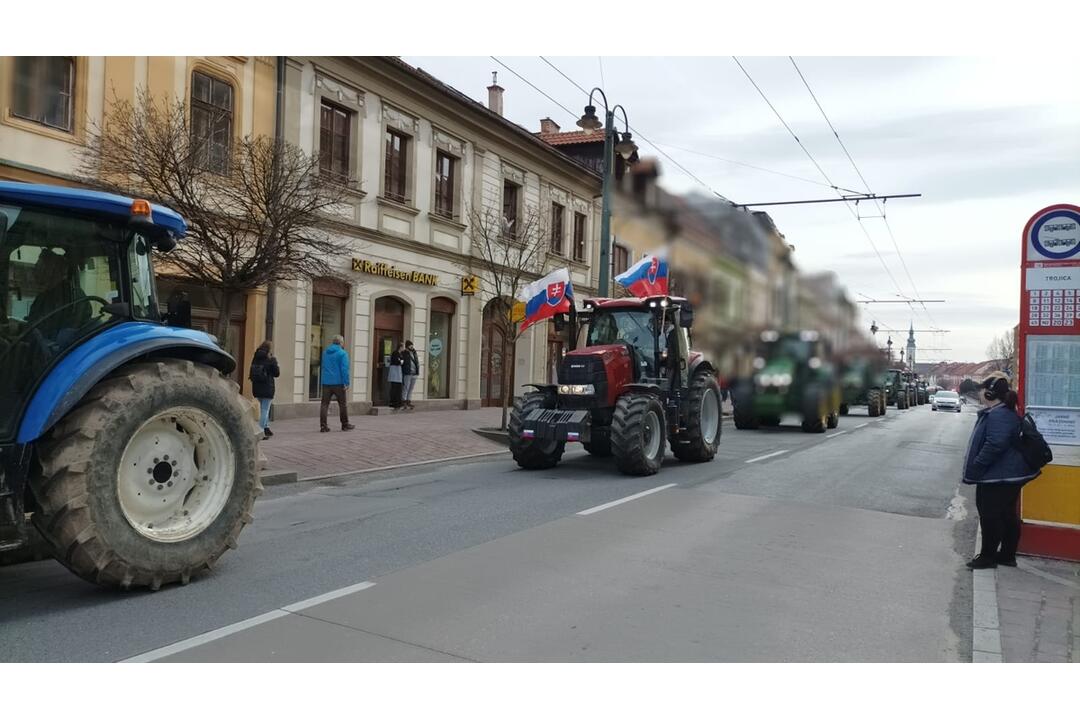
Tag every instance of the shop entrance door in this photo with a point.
(496, 362)
(389, 331)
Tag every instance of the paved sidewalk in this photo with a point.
(378, 441)
(1039, 610)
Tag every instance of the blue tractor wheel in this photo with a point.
(151, 477)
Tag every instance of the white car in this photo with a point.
(945, 400)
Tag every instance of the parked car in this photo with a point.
(945, 400)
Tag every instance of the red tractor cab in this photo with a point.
(632, 386)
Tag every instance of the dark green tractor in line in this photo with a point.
(922, 390)
(896, 389)
(863, 383)
(793, 374)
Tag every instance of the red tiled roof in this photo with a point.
(575, 137)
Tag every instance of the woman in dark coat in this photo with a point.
(395, 376)
(994, 465)
(264, 368)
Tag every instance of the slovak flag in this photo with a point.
(547, 297)
(648, 276)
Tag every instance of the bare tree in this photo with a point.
(1002, 352)
(507, 256)
(256, 208)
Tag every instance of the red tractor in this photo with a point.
(634, 385)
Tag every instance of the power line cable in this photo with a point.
(825, 175)
(854, 165)
(746, 165)
(522, 79)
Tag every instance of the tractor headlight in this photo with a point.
(774, 380)
(577, 390)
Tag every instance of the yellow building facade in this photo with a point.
(48, 106)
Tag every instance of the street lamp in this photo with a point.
(889, 343)
(627, 149)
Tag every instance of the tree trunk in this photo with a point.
(224, 320)
(507, 373)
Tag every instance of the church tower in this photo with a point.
(911, 346)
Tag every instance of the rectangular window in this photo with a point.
(620, 259)
(211, 122)
(579, 237)
(511, 193)
(43, 91)
(444, 184)
(335, 125)
(557, 212)
(397, 147)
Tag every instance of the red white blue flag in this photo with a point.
(648, 276)
(547, 297)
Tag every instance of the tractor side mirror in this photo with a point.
(686, 317)
(560, 322)
(179, 314)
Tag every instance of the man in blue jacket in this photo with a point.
(335, 382)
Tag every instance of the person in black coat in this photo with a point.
(264, 368)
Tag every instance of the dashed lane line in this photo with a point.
(626, 499)
(766, 457)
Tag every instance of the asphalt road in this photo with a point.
(847, 546)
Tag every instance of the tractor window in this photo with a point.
(57, 272)
(790, 347)
(143, 289)
(634, 327)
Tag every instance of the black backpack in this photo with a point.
(1032, 445)
(258, 373)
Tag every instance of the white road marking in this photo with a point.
(236, 627)
(766, 457)
(861, 426)
(835, 434)
(628, 498)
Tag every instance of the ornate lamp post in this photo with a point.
(626, 147)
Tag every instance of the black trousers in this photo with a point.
(336, 392)
(998, 518)
(395, 394)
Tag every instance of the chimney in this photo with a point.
(547, 125)
(495, 95)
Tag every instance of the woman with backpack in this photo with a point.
(264, 368)
(996, 467)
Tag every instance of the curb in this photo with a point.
(985, 623)
(493, 434)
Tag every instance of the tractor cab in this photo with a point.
(66, 274)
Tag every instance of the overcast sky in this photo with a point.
(987, 141)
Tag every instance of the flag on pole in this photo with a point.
(547, 297)
(648, 276)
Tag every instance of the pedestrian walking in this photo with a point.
(264, 368)
(410, 369)
(395, 376)
(995, 465)
(335, 382)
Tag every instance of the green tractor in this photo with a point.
(909, 384)
(922, 390)
(896, 390)
(863, 383)
(793, 374)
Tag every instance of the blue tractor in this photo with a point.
(122, 440)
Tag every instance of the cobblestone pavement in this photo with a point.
(378, 441)
(1039, 608)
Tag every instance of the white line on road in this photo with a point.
(221, 632)
(835, 434)
(766, 457)
(861, 426)
(628, 498)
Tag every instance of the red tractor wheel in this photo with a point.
(698, 441)
(637, 434)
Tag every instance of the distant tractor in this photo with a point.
(922, 390)
(793, 374)
(633, 387)
(896, 391)
(909, 385)
(863, 383)
(121, 439)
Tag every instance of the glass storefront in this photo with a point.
(327, 320)
(438, 360)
